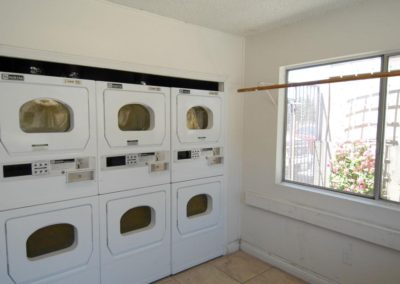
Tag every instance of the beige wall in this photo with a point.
(100, 33)
(323, 237)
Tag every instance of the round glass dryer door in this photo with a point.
(199, 118)
(51, 117)
(134, 118)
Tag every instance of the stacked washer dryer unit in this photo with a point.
(48, 191)
(134, 182)
(197, 177)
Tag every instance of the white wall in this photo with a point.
(323, 237)
(100, 33)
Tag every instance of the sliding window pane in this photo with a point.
(391, 152)
(331, 128)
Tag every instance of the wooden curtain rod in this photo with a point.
(325, 81)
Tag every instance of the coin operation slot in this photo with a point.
(158, 167)
(80, 176)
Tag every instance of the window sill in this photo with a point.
(378, 234)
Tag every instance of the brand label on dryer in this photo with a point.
(114, 86)
(13, 77)
(155, 89)
(72, 81)
(184, 91)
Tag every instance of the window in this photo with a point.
(344, 136)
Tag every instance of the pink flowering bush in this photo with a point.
(353, 167)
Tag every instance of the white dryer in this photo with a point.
(47, 139)
(134, 136)
(135, 233)
(197, 134)
(198, 226)
(54, 243)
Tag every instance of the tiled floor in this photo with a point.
(235, 268)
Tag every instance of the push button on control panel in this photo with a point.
(40, 168)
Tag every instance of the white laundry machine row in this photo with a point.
(54, 243)
(47, 139)
(198, 222)
(135, 233)
(197, 134)
(134, 136)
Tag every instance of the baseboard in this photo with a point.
(232, 246)
(284, 265)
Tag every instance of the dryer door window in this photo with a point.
(137, 218)
(198, 118)
(136, 222)
(134, 118)
(44, 116)
(50, 239)
(199, 205)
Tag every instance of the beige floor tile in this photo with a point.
(240, 266)
(275, 276)
(168, 280)
(204, 274)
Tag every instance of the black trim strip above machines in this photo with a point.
(29, 66)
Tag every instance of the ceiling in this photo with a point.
(241, 17)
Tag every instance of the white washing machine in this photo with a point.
(197, 134)
(198, 222)
(47, 139)
(135, 234)
(134, 136)
(54, 243)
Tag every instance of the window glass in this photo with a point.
(197, 205)
(391, 152)
(135, 219)
(50, 239)
(134, 117)
(44, 116)
(197, 118)
(331, 129)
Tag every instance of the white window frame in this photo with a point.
(282, 113)
(374, 221)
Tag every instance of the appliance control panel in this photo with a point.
(155, 161)
(213, 155)
(84, 168)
